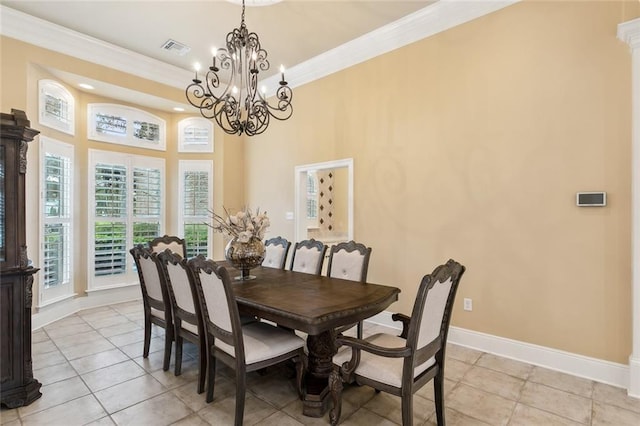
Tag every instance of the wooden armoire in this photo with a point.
(17, 385)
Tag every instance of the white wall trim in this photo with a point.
(629, 32)
(36, 31)
(437, 17)
(577, 365)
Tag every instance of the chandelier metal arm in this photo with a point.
(239, 107)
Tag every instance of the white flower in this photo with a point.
(242, 225)
(245, 236)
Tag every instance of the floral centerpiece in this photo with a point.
(246, 228)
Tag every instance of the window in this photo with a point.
(195, 134)
(125, 125)
(127, 197)
(312, 195)
(56, 106)
(196, 189)
(56, 248)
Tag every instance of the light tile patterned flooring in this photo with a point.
(92, 372)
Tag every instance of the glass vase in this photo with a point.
(245, 255)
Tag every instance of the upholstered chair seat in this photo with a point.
(263, 341)
(378, 368)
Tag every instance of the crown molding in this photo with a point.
(433, 19)
(60, 39)
(629, 32)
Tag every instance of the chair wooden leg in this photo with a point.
(203, 366)
(335, 386)
(211, 369)
(178, 366)
(147, 335)
(168, 342)
(241, 388)
(438, 391)
(407, 409)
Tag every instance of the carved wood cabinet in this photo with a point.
(17, 385)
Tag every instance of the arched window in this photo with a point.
(56, 106)
(195, 134)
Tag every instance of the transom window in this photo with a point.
(56, 106)
(125, 125)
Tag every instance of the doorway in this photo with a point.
(324, 201)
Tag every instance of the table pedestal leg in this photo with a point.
(321, 348)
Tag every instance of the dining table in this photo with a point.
(315, 305)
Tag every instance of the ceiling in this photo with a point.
(311, 38)
(292, 31)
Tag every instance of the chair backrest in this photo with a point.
(149, 272)
(308, 256)
(218, 305)
(349, 261)
(431, 314)
(180, 286)
(171, 242)
(276, 250)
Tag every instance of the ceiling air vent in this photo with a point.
(175, 47)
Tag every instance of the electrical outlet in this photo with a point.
(468, 304)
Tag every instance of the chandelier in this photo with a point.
(239, 107)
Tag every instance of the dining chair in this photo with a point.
(155, 300)
(400, 365)
(187, 317)
(349, 261)
(247, 348)
(276, 250)
(308, 256)
(171, 242)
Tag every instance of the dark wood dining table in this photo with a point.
(315, 305)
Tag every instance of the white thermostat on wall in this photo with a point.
(591, 199)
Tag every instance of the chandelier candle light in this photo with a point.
(239, 107)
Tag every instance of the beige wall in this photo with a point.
(472, 144)
(23, 65)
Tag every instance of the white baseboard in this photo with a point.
(577, 365)
(53, 312)
(634, 377)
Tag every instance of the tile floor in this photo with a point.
(92, 372)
